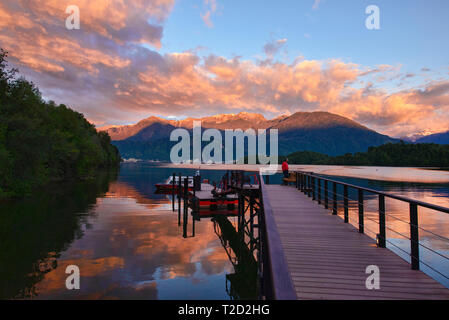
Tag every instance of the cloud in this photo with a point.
(316, 4)
(104, 71)
(272, 47)
(207, 20)
(211, 9)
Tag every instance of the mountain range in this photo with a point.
(321, 132)
(439, 138)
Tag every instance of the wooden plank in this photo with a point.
(327, 258)
(283, 287)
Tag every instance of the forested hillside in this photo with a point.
(42, 142)
(391, 154)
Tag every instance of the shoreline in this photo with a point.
(395, 174)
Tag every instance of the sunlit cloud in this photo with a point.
(113, 72)
(272, 48)
(211, 6)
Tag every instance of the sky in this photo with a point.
(132, 59)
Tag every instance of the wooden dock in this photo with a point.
(208, 202)
(327, 258)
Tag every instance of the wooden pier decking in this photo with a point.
(327, 258)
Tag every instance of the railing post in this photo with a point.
(382, 233)
(313, 189)
(334, 189)
(346, 203)
(297, 181)
(308, 184)
(304, 186)
(414, 236)
(319, 190)
(326, 195)
(361, 222)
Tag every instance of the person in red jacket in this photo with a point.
(285, 168)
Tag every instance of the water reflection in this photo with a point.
(242, 284)
(124, 238)
(35, 231)
(128, 245)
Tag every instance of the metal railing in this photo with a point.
(317, 187)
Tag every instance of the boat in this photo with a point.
(208, 199)
(219, 203)
(167, 186)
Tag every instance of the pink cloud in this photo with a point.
(103, 71)
(211, 6)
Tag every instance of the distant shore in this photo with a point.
(397, 174)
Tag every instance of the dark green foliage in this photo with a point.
(49, 221)
(41, 142)
(305, 157)
(390, 154)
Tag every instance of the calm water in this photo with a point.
(127, 243)
(124, 238)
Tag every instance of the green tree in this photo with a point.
(41, 141)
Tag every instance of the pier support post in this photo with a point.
(186, 207)
(193, 220)
(179, 199)
(173, 192)
(251, 217)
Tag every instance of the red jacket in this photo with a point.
(284, 166)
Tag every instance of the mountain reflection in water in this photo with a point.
(124, 238)
(126, 241)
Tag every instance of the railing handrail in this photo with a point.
(393, 196)
(281, 280)
(310, 183)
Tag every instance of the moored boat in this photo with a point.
(167, 186)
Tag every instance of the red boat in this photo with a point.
(215, 204)
(167, 187)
